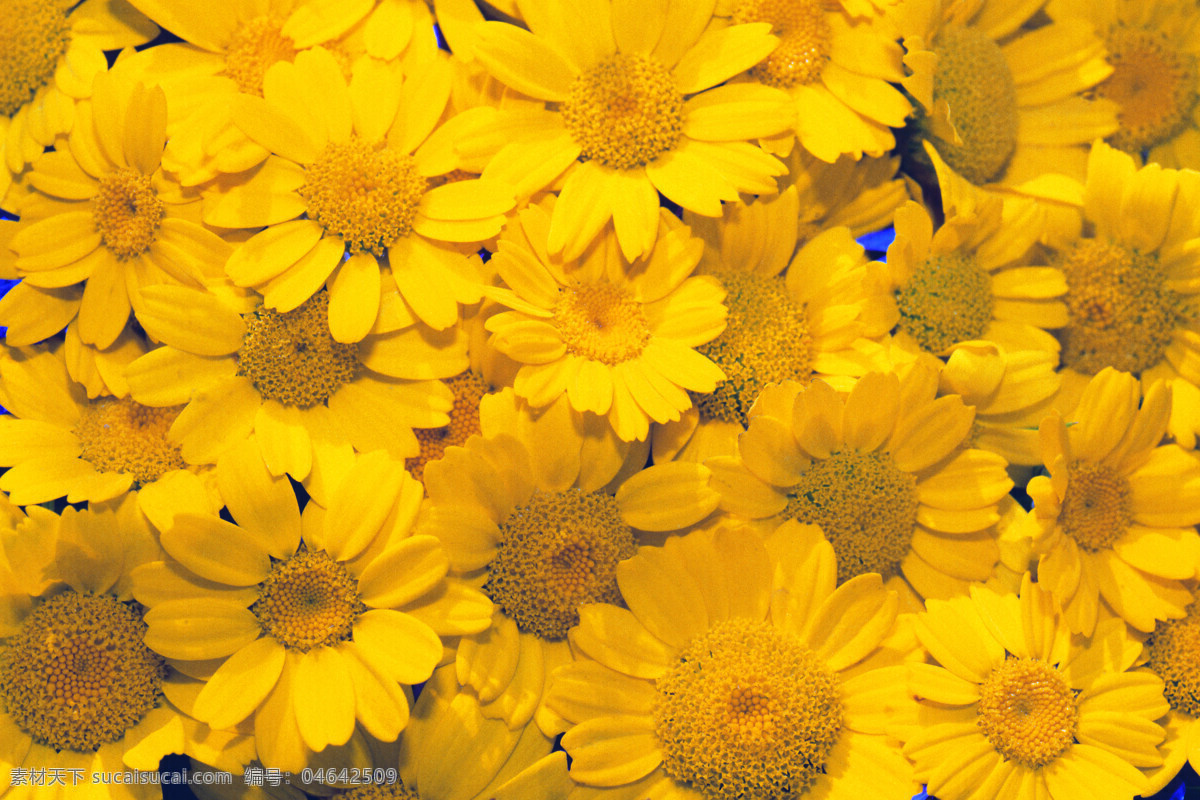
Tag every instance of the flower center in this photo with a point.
(1174, 652)
(379, 791)
(364, 192)
(291, 357)
(77, 675)
(559, 550)
(34, 35)
(256, 46)
(747, 712)
(947, 300)
(974, 80)
(866, 507)
(804, 40)
(1095, 512)
(308, 601)
(1154, 86)
(625, 111)
(601, 322)
(1121, 312)
(766, 340)
(128, 212)
(1027, 711)
(468, 389)
(124, 436)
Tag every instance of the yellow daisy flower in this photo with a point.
(1003, 105)
(1153, 49)
(451, 750)
(51, 51)
(801, 305)
(618, 339)
(1117, 508)
(1013, 707)
(633, 113)
(349, 190)
(1173, 653)
(79, 690)
(738, 670)
(886, 471)
(238, 367)
(309, 624)
(59, 443)
(104, 221)
(1132, 280)
(527, 513)
(838, 66)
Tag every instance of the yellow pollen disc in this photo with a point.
(364, 192)
(308, 601)
(124, 436)
(766, 340)
(128, 212)
(974, 79)
(77, 675)
(1027, 711)
(559, 550)
(1154, 86)
(601, 322)
(1121, 313)
(866, 507)
(34, 35)
(291, 357)
(1174, 652)
(256, 46)
(469, 389)
(747, 712)
(804, 40)
(625, 111)
(1095, 512)
(947, 300)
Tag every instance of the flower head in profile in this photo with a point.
(738, 669)
(1013, 707)
(618, 339)
(1118, 507)
(313, 624)
(103, 221)
(635, 106)
(50, 51)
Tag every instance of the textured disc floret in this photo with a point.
(34, 35)
(1028, 712)
(1121, 312)
(974, 80)
(556, 552)
(1096, 511)
(602, 322)
(379, 791)
(307, 601)
(255, 47)
(468, 388)
(805, 39)
(77, 675)
(766, 340)
(625, 111)
(866, 507)
(364, 192)
(1174, 654)
(291, 356)
(1153, 85)
(747, 712)
(948, 299)
(119, 435)
(128, 212)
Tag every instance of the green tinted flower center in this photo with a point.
(1095, 512)
(34, 35)
(307, 601)
(124, 436)
(947, 300)
(1153, 85)
(128, 212)
(1174, 652)
(1027, 711)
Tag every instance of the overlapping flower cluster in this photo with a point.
(496, 398)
